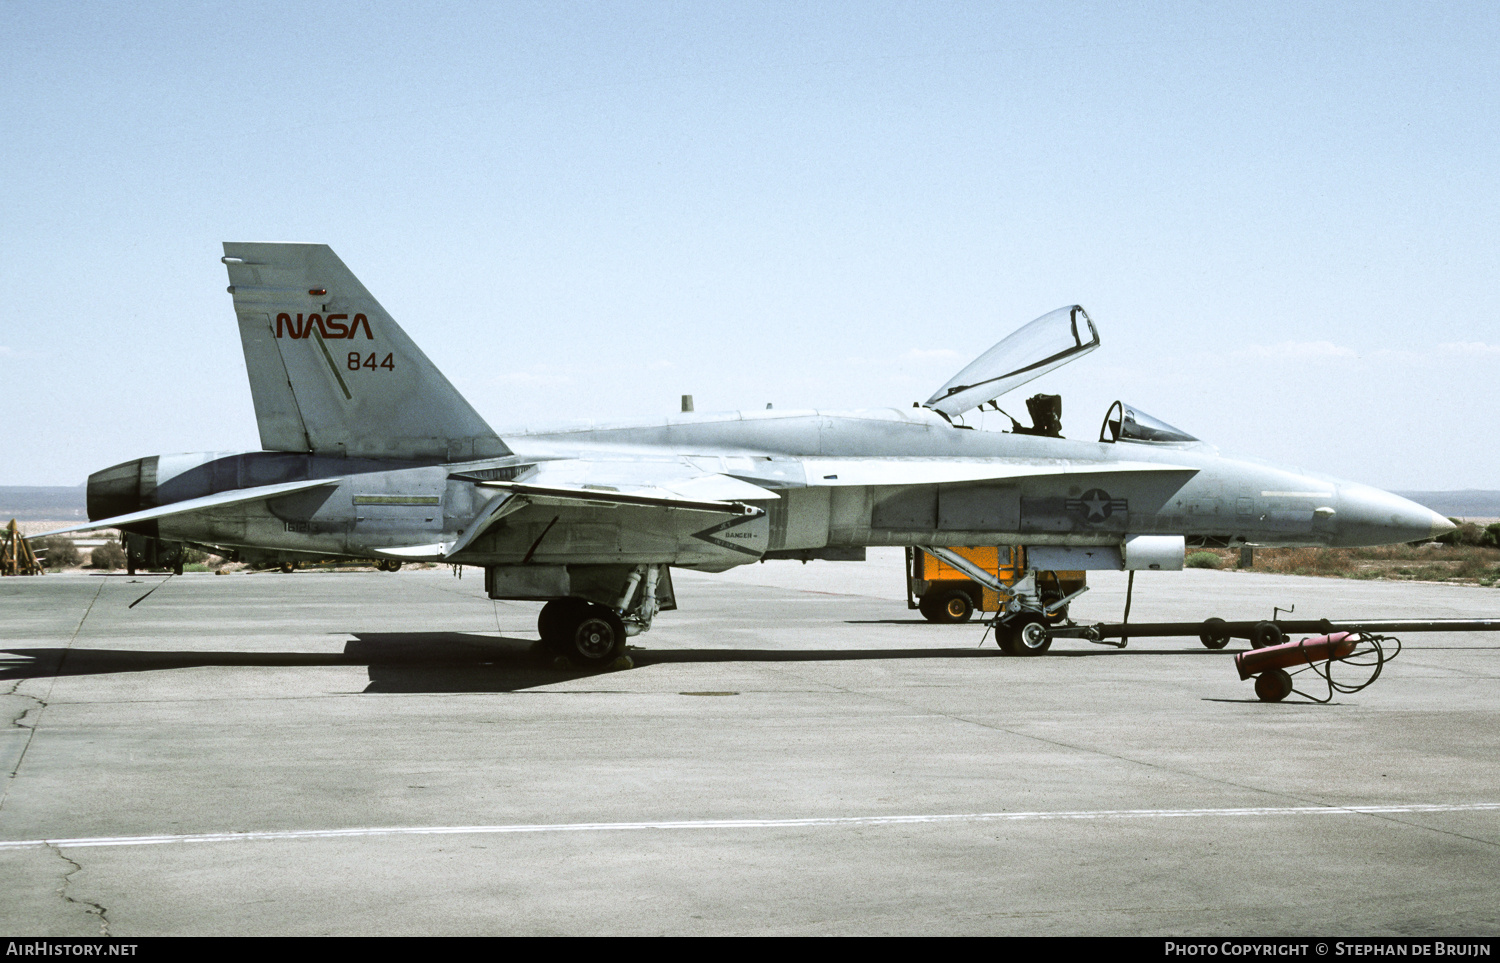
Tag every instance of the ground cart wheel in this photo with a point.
(1273, 685)
(954, 605)
(1215, 635)
(1266, 634)
(946, 605)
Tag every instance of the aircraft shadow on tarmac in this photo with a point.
(460, 662)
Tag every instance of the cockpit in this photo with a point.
(1127, 423)
(1029, 352)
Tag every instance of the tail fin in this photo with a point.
(331, 372)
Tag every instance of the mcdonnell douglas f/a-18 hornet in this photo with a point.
(370, 452)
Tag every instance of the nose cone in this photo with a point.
(1369, 516)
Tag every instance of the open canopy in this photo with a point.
(1049, 342)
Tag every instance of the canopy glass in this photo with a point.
(1049, 342)
(1128, 423)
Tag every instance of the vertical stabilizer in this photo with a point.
(331, 372)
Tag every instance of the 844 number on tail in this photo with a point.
(357, 361)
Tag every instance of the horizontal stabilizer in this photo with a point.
(206, 503)
(417, 553)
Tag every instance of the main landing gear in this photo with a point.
(594, 634)
(584, 631)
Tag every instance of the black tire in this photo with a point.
(950, 606)
(1027, 635)
(557, 617)
(1273, 685)
(596, 639)
(177, 566)
(288, 567)
(1215, 634)
(1266, 634)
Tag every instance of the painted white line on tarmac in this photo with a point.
(809, 822)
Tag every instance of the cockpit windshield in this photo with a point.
(1029, 352)
(1126, 423)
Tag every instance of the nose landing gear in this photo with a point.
(1025, 634)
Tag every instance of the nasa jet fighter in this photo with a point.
(368, 451)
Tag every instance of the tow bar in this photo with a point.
(1216, 633)
(1362, 643)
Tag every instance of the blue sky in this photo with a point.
(1283, 217)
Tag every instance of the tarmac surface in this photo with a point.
(794, 752)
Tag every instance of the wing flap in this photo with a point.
(606, 498)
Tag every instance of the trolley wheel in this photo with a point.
(1266, 634)
(947, 606)
(1214, 634)
(1027, 635)
(1273, 685)
(955, 605)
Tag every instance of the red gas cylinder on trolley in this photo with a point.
(1270, 664)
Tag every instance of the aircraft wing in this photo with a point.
(205, 503)
(713, 494)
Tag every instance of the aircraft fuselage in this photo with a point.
(844, 479)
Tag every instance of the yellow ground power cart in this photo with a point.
(944, 594)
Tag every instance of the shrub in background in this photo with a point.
(59, 552)
(1201, 560)
(108, 556)
(1468, 533)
